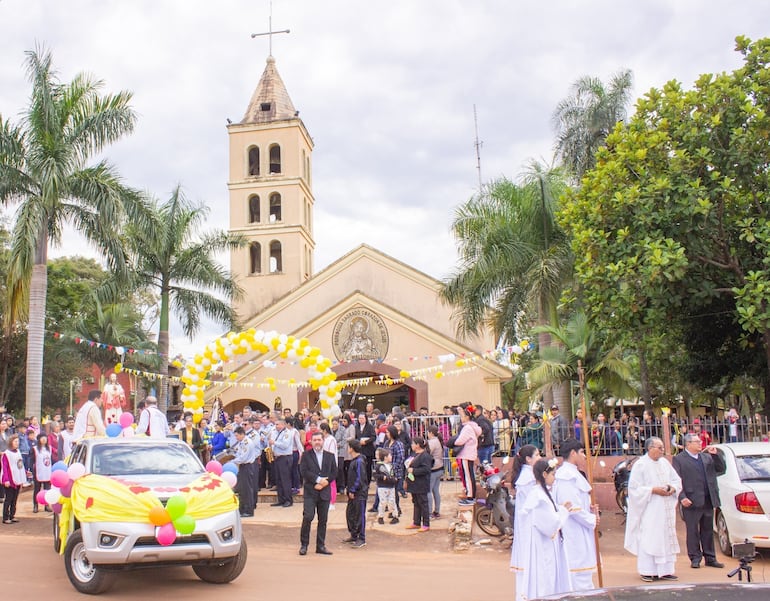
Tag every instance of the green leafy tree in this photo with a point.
(44, 168)
(675, 214)
(172, 257)
(584, 119)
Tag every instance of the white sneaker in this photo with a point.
(332, 507)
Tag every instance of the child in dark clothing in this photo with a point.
(386, 486)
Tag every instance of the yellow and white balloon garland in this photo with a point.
(224, 349)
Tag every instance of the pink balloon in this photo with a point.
(60, 478)
(56, 507)
(66, 490)
(214, 467)
(40, 498)
(126, 419)
(230, 478)
(166, 534)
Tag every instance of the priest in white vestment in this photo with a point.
(579, 538)
(653, 489)
(543, 565)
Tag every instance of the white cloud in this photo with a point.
(386, 89)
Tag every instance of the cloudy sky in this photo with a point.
(386, 89)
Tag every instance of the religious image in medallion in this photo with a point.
(360, 334)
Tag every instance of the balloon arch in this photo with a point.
(224, 349)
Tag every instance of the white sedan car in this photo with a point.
(744, 490)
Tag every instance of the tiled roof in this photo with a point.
(270, 101)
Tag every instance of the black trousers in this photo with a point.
(310, 505)
(9, 504)
(37, 488)
(245, 489)
(265, 473)
(421, 515)
(282, 474)
(254, 474)
(700, 534)
(355, 514)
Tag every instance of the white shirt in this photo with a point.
(152, 422)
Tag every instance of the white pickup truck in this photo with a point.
(95, 551)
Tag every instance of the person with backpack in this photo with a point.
(486, 445)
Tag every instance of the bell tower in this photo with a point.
(271, 197)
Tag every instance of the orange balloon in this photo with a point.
(159, 516)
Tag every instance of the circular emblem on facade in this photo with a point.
(360, 334)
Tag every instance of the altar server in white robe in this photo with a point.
(544, 567)
(653, 489)
(523, 480)
(579, 538)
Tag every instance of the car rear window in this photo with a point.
(122, 460)
(753, 467)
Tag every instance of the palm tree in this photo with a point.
(171, 258)
(44, 167)
(115, 325)
(605, 370)
(585, 119)
(514, 258)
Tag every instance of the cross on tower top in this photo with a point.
(270, 31)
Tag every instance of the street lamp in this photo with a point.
(76, 385)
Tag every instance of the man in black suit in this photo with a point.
(318, 468)
(698, 471)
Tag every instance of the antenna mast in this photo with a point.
(477, 144)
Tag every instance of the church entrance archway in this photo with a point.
(237, 406)
(409, 394)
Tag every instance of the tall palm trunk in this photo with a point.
(36, 328)
(163, 351)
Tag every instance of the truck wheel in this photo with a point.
(85, 577)
(56, 542)
(226, 571)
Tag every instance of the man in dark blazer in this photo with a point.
(318, 468)
(699, 470)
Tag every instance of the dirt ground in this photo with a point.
(394, 563)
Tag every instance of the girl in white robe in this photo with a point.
(544, 568)
(523, 481)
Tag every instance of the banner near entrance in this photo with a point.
(222, 350)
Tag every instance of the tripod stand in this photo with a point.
(744, 565)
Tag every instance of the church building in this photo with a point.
(381, 322)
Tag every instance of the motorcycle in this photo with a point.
(494, 515)
(620, 476)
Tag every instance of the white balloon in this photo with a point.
(291, 353)
(128, 432)
(76, 470)
(259, 335)
(230, 478)
(52, 495)
(327, 413)
(283, 338)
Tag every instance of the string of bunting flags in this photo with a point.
(503, 351)
(460, 364)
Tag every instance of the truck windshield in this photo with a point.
(124, 460)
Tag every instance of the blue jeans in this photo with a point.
(485, 454)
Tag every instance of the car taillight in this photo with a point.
(747, 502)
